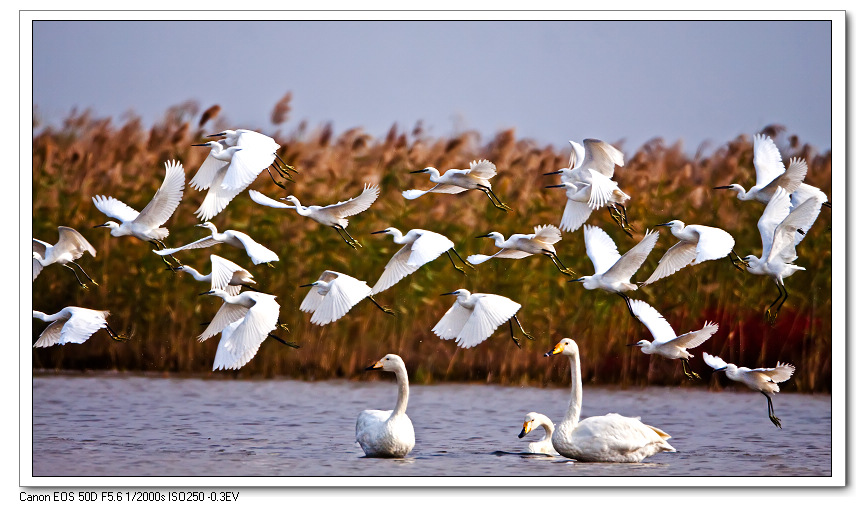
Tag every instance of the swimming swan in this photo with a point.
(545, 445)
(387, 433)
(612, 437)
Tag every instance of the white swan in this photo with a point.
(387, 433)
(545, 445)
(611, 437)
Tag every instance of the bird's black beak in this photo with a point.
(724, 186)
(201, 144)
(100, 225)
(719, 369)
(206, 293)
(215, 135)
(418, 171)
(554, 186)
(554, 172)
(449, 293)
(484, 236)
(668, 224)
(378, 232)
(522, 433)
(308, 284)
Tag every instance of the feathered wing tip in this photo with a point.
(413, 194)
(478, 258)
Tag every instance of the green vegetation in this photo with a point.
(89, 156)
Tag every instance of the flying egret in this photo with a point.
(250, 138)
(257, 252)
(697, 243)
(519, 246)
(763, 380)
(69, 247)
(387, 433)
(224, 275)
(666, 343)
(333, 215)
(333, 295)
(771, 173)
(250, 154)
(535, 420)
(577, 208)
(590, 168)
(210, 176)
(608, 438)
(245, 321)
(419, 247)
(146, 225)
(612, 271)
(73, 325)
(778, 229)
(454, 181)
(474, 317)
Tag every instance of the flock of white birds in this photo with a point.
(247, 318)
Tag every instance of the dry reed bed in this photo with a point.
(90, 156)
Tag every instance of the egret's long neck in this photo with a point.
(195, 274)
(398, 238)
(41, 316)
(677, 229)
(434, 176)
(301, 210)
(402, 392)
(573, 415)
(499, 239)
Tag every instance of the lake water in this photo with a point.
(142, 426)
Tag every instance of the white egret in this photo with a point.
(778, 229)
(666, 342)
(245, 321)
(210, 176)
(770, 172)
(609, 438)
(519, 246)
(257, 252)
(763, 380)
(224, 275)
(247, 138)
(697, 243)
(419, 247)
(474, 317)
(332, 215)
(454, 181)
(333, 295)
(146, 225)
(577, 208)
(387, 433)
(613, 272)
(73, 325)
(70, 246)
(544, 446)
(253, 153)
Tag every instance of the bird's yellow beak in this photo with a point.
(527, 428)
(376, 366)
(556, 350)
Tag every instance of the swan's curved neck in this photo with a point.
(573, 414)
(547, 425)
(402, 392)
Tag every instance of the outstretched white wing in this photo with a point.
(452, 322)
(345, 292)
(226, 314)
(661, 330)
(776, 211)
(427, 247)
(602, 157)
(547, 234)
(767, 160)
(167, 198)
(786, 234)
(216, 199)
(357, 204)
(82, 324)
(677, 257)
(713, 244)
(73, 242)
(114, 208)
(575, 215)
(222, 271)
(205, 177)
(780, 373)
(253, 329)
(256, 251)
(696, 338)
(714, 362)
(201, 243)
(600, 248)
(264, 200)
(628, 264)
(490, 312)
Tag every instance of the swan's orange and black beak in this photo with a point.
(376, 366)
(556, 350)
(527, 427)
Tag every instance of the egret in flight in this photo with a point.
(771, 173)
(697, 243)
(245, 321)
(332, 215)
(613, 272)
(387, 433)
(250, 138)
(577, 208)
(780, 232)
(454, 181)
(257, 252)
(69, 247)
(419, 247)
(666, 343)
(224, 275)
(607, 438)
(519, 246)
(146, 225)
(333, 295)
(763, 380)
(474, 317)
(210, 176)
(73, 325)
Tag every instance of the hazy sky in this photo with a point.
(552, 81)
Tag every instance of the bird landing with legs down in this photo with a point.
(454, 181)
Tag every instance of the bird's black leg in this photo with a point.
(514, 338)
(626, 224)
(737, 261)
(114, 336)
(775, 420)
(70, 268)
(559, 264)
(85, 273)
(461, 259)
(162, 246)
(688, 371)
(347, 242)
(530, 337)
(289, 167)
(771, 316)
(356, 242)
(502, 204)
(494, 198)
(380, 307)
(454, 264)
(280, 185)
(280, 340)
(628, 301)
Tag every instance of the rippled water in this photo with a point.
(118, 425)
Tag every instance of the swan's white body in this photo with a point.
(666, 342)
(609, 438)
(257, 252)
(330, 215)
(519, 246)
(545, 445)
(224, 275)
(387, 433)
(70, 325)
(70, 246)
(697, 243)
(244, 320)
(577, 208)
(419, 247)
(613, 272)
(454, 181)
(474, 317)
(146, 225)
(332, 296)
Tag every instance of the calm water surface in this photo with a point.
(119, 425)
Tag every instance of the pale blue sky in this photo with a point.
(552, 81)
